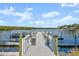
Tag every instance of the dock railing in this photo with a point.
(24, 44)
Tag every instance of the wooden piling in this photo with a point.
(55, 44)
(20, 45)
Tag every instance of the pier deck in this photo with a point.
(40, 49)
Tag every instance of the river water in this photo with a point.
(68, 38)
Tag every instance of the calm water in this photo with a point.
(8, 49)
(67, 35)
(68, 39)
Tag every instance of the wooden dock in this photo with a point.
(40, 49)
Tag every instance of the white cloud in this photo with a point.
(54, 22)
(76, 11)
(37, 22)
(41, 23)
(70, 4)
(1, 21)
(50, 14)
(7, 11)
(12, 12)
(68, 20)
(29, 9)
(25, 16)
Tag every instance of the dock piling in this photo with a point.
(55, 44)
(20, 45)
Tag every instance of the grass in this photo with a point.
(74, 52)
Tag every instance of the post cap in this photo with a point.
(55, 35)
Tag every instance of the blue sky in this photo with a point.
(38, 14)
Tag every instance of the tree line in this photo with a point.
(14, 28)
(74, 26)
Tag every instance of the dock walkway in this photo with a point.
(40, 49)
